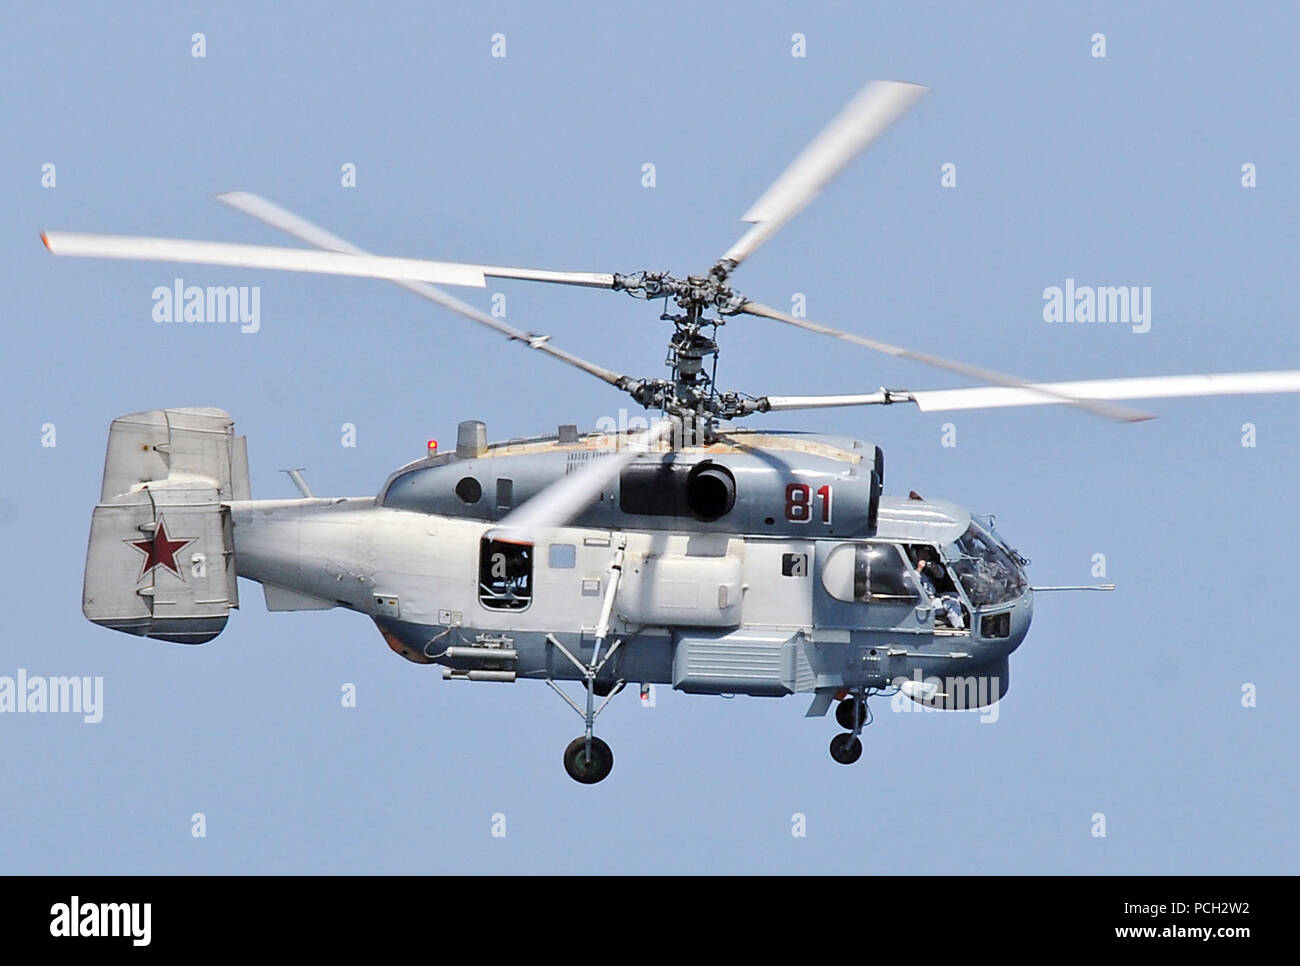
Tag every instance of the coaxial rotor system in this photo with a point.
(696, 305)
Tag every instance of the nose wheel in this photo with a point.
(846, 749)
(852, 713)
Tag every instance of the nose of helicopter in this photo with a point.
(1021, 616)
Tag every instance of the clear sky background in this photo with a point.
(1117, 171)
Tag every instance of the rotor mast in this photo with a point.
(691, 393)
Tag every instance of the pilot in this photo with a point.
(930, 571)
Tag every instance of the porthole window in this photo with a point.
(469, 490)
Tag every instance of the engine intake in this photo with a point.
(710, 491)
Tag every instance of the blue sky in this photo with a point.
(1117, 171)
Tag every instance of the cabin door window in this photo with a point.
(505, 575)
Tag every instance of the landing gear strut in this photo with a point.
(853, 714)
(588, 759)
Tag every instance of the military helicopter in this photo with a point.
(699, 553)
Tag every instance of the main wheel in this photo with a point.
(845, 711)
(584, 769)
(846, 749)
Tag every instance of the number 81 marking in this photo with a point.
(799, 502)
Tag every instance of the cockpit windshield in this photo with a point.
(986, 571)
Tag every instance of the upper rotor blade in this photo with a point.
(862, 120)
(1043, 391)
(272, 214)
(301, 260)
(996, 397)
(560, 502)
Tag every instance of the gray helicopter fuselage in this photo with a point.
(761, 564)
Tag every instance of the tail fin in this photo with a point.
(161, 560)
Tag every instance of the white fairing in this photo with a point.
(676, 589)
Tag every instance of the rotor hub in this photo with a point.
(692, 356)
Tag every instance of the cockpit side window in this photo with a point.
(938, 587)
(887, 574)
(870, 573)
(926, 558)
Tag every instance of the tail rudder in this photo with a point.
(161, 561)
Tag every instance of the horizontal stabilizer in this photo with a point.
(281, 599)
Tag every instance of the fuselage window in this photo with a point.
(505, 493)
(562, 556)
(505, 575)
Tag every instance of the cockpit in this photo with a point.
(987, 572)
(931, 567)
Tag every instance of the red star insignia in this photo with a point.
(160, 551)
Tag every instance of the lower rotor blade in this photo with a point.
(1141, 387)
(1037, 394)
(1044, 391)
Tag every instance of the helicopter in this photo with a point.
(697, 552)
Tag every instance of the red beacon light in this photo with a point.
(433, 447)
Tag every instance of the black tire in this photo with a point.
(846, 749)
(844, 712)
(588, 772)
